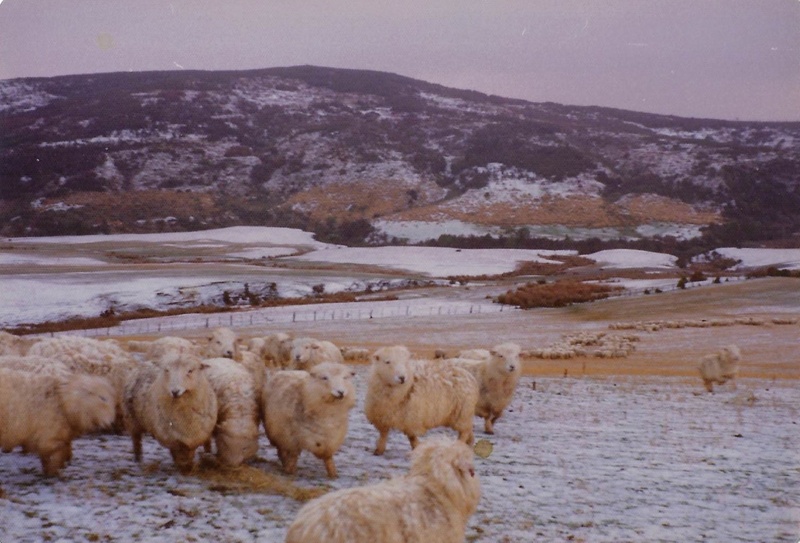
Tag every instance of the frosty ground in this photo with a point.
(575, 459)
(612, 450)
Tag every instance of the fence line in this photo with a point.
(288, 315)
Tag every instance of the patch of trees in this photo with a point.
(514, 144)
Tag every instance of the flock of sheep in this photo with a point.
(217, 394)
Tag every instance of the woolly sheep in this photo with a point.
(167, 345)
(104, 358)
(414, 396)
(44, 413)
(720, 367)
(308, 411)
(474, 354)
(174, 402)
(307, 352)
(11, 344)
(355, 354)
(221, 343)
(433, 502)
(497, 378)
(36, 364)
(236, 431)
(274, 349)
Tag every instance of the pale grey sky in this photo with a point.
(727, 59)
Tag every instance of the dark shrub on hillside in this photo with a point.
(559, 294)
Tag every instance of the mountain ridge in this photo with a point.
(361, 153)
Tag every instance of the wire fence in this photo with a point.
(287, 315)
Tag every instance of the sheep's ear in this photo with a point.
(464, 467)
(493, 353)
(204, 365)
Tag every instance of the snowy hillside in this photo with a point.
(358, 155)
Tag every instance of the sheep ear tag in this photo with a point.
(483, 448)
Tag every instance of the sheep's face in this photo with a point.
(392, 364)
(505, 357)
(731, 353)
(222, 343)
(302, 351)
(182, 375)
(89, 402)
(336, 380)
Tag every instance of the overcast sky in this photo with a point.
(727, 59)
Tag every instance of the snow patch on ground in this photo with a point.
(632, 258)
(234, 234)
(788, 259)
(433, 261)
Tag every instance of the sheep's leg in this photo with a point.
(467, 435)
(488, 425)
(290, 464)
(413, 440)
(54, 460)
(136, 437)
(330, 467)
(183, 457)
(380, 447)
(709, 385)
(207, 446)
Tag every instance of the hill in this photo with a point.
(361, 156)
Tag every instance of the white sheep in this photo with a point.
(36, 364)
(308, 411)
(355, 354)
(474, 354)
(307, 352)
(222, 343)
(414, 396)
(163, 346)
(497, 378)
(274, 349)
(236, 431)
(174, 402)
(11, 344)
(720, 367)
(432, 503)
(104, 358)
(44, 413)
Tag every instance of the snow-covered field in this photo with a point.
(73, 276)
(601, 460)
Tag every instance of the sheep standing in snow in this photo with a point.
(497, 378)
(174, 402)
(720, 367)
(414, 396)
(103, 358)
(308, 352)
(308, 411)
(44, 413)
(433, 502)
(236, 432)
